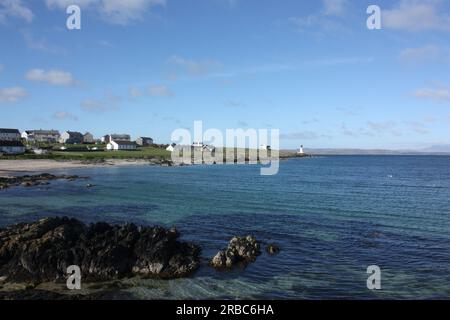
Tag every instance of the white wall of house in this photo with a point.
(39, 137)
(64, 137)
(115, 146)
(170, 148)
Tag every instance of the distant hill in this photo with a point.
(445, 148)
(436, 150)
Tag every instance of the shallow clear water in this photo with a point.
(332, 217)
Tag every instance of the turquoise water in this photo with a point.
(332, 217)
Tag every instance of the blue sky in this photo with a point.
(309, 68)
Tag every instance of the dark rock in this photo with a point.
(34, 180)
(42, 251)
(272, 249)
(240, 250)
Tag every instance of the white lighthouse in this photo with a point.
(300, 151)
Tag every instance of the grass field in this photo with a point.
(143, 153)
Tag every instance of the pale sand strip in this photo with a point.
(7, 167)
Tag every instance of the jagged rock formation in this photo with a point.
(42, 251)
(240, 250)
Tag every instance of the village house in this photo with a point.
(88, 138)
(144, 141)
(121, 145)
(11, 147)
(71, 137)
(110, 137)
(47, 136)
(9, 134)
(171, 147)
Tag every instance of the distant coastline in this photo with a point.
(17, 166)
(374, 152)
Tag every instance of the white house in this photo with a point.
(11, 147)
(111, 137)
(144, 141)
(171, 147)
(9, 134)
(88, 138)
(264, 147)
(41, 136)
(121, 145)
(71, 137)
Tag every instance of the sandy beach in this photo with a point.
(8, 167)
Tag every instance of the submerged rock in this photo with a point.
(34, 180)
(272, 249)
(42, 251)
(240, 250)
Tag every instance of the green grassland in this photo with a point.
(81, 152)
(142, 153)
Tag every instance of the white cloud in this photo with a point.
(14, 9)
(114, 11)
(233, 103)
(316, 23)
(372, 129)
(439, 94)
(135, 92)
(39, 44)
(417, 127)
(417, 15)
(428, 52)
(63, 115)
(192, 67)
(302, 135)
(334, 7)
(12, 94)
(160, 91)
(381, 127)
(122, 12)
(327, 20)
(54, 77)
(63, 4)
(91, 105)
(109, 103)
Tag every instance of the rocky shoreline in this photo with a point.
(34, 180)
(41, 251)
(35, 253)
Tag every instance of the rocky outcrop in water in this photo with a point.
(240, 250)
(34, 180)
(42, 251)
(272, 249)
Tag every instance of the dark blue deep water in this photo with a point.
(332, 217)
